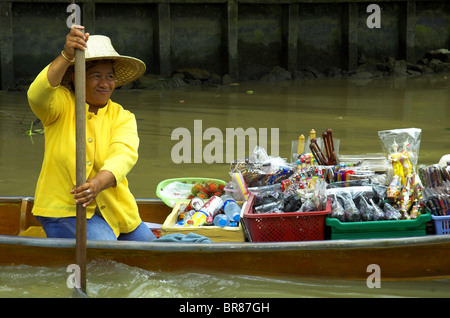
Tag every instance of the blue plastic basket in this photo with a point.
(442, 224)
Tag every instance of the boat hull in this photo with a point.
(399, 258)
(406, 258)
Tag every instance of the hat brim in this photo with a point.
(126, 70)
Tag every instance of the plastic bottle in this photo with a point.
(185, 217)
(221, 220)
(231, 208)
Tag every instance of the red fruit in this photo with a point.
(221, 187)
(196, 188)
(203, 195)
(218, 193)
(212, 187)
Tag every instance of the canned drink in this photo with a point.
(212, 206)
(198, 219)
(196, 203)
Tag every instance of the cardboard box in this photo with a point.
(215, 233)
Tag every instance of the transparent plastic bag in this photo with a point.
(366, 210)
(390, 213)
(377, 213)
(404, 139)
(351, 212)
(261, 169)
(401, 147)
(320, 197)
(337, 211)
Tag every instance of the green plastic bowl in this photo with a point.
(171, 201)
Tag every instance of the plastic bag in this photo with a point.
(401, 147)
(176, 191)
(366, 210)
(269, 202)
(320, 197)
(292, 203)
(390, 213)
(337, 211)
(308, 206)
(261, 169)
(377, 214)
(351, 212)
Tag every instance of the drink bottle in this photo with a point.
(221, 220)
(231, 208)
(212, 206)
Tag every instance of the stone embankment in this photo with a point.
(436, 61)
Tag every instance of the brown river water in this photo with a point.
(355, 110)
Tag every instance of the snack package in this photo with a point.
(401, 147)
(366, 210)
(308, 206)
(320, 198)
(377, 214)
(261, 169)
(292, 203)
(351, 212)
(390, 213)
(337, 211)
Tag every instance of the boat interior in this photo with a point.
(18, 220)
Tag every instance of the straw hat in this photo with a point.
(99, 47)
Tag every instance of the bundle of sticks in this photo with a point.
(330, 156)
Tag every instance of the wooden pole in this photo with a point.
(80, 114)
(80, 105)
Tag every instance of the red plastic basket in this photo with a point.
(284, 227)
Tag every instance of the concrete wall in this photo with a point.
(243, 38)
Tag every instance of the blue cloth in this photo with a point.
(184, 238)
(96, 229)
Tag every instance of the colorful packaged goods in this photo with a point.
(353, 197)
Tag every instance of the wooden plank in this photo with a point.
(163, 39)
(6, 46)
(350, 36)
(88, 16)
(10, 217)
(231, 36)
(407, 25)
(25, 213)
(290, 37)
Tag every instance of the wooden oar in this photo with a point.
(80, 114)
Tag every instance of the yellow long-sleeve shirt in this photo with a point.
(111, 144)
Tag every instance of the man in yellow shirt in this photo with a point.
(111, 144)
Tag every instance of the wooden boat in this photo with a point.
(399, 258)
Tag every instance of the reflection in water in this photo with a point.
(355, 111)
